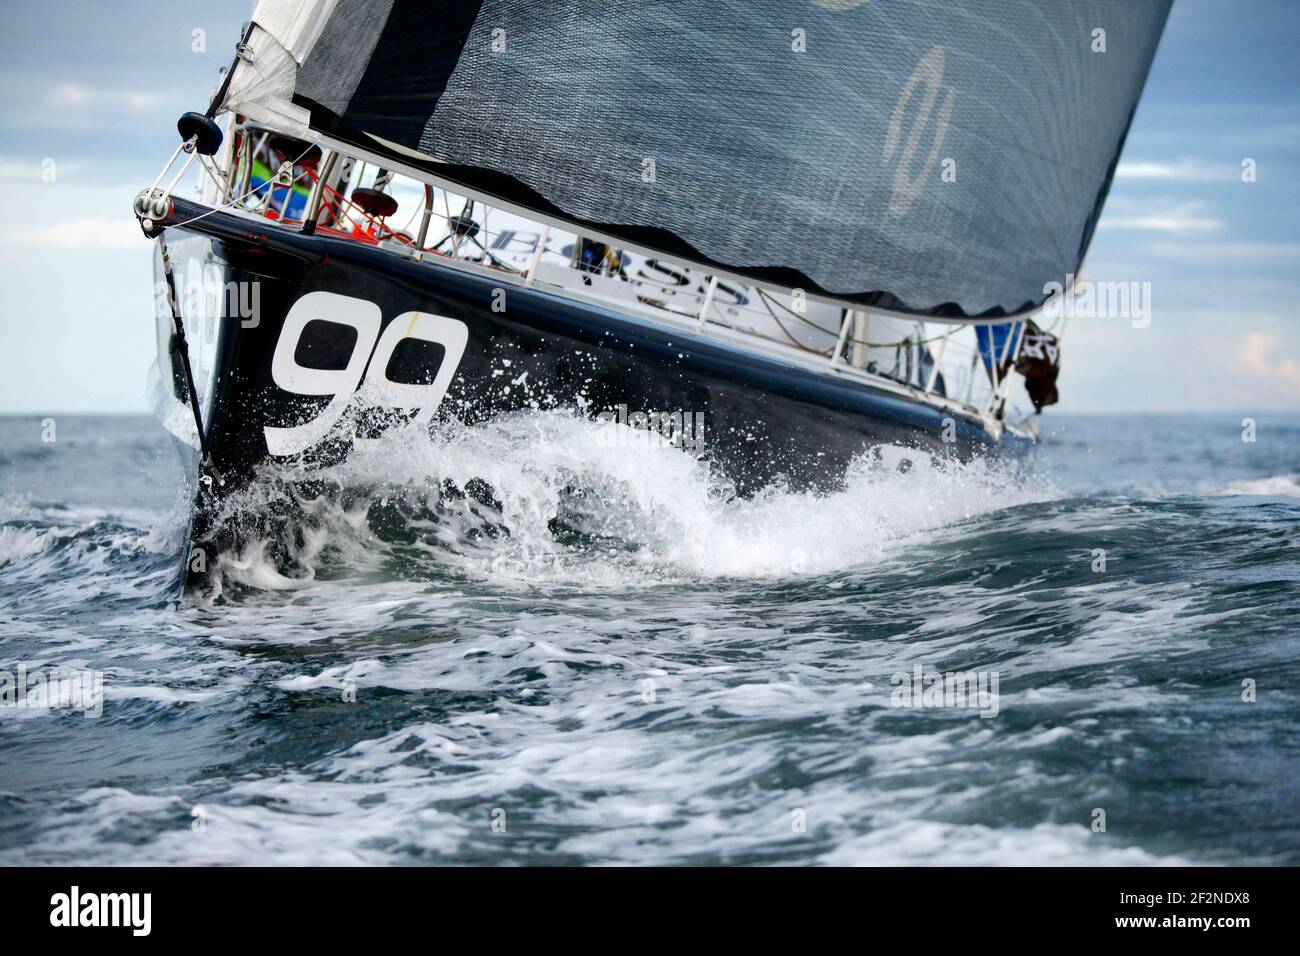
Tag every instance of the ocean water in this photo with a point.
(529, 645)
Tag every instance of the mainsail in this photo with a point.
(926, 156)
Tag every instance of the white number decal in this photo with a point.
(358, 314)
(370, 348)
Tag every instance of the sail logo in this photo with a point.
(909, 182)
(74, 909)
(364, 377)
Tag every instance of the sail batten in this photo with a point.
(910, 155)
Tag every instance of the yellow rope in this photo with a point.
(850, 339)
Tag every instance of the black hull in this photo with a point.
(765, 420)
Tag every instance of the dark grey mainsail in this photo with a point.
(929, 156)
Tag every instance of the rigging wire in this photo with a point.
(793, 341)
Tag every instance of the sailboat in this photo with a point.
(779, 236)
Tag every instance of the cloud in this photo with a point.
(1258, 357)
(71, 105)
(75, 96)
(1239, 251)
(1181, 218)
(84, 233)
(1184, 169)
(25, 172)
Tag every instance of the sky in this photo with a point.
(91, 92)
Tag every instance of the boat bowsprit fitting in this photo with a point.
(201, 137)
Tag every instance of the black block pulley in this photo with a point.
(204, 131)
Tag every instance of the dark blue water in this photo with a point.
(672, 677)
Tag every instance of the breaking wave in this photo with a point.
(551, 496)
(1285, 486)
